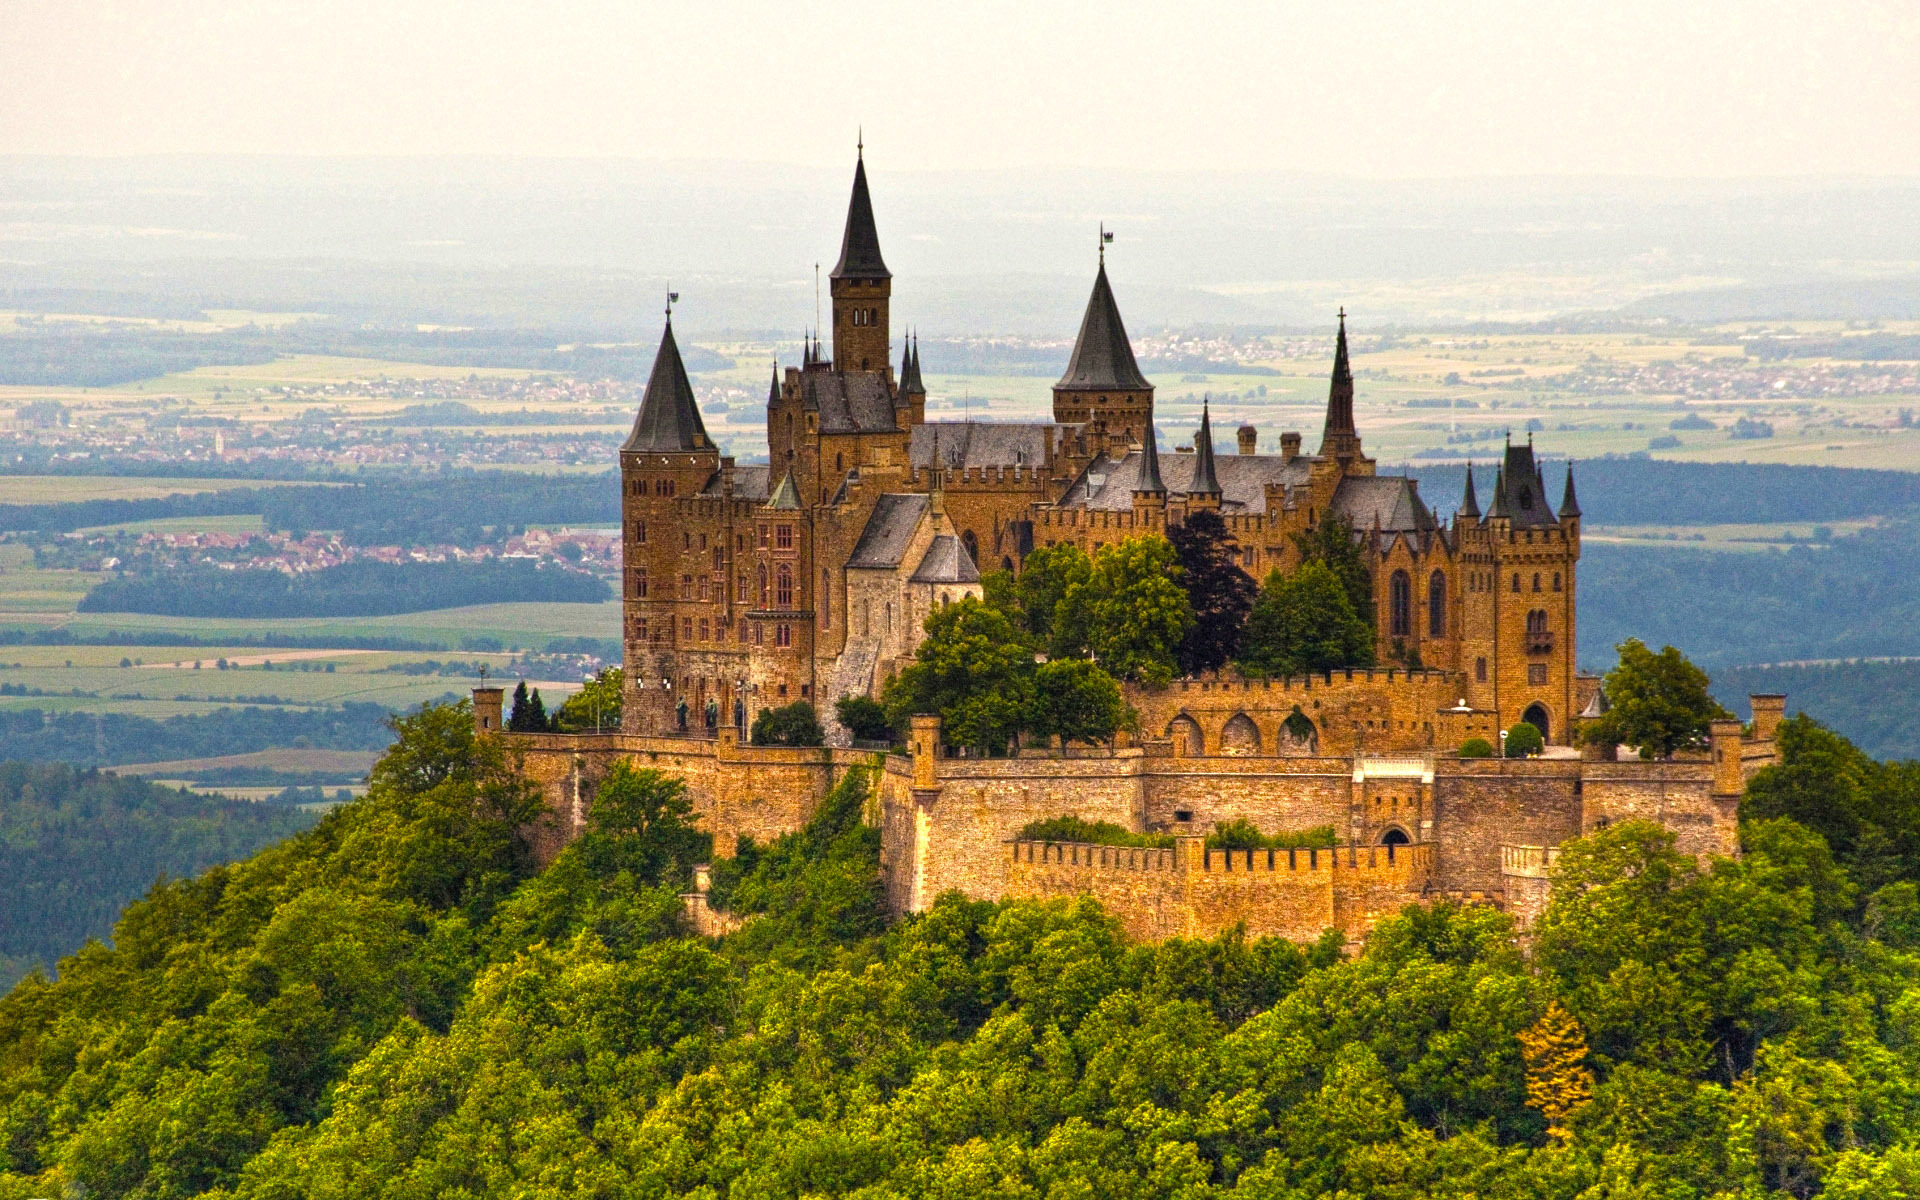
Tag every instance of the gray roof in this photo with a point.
(1243, 480)
(749, 483)
(883, 543)
(1147, 477)
(860, 243)
(980, 444)
(1102, 357)
(850, 402)
(1470, 503)
(1339, 390)
(1205, 480)
(1569, 503)
(669, 418)
(947, 561)
(1392, 502)
(786, 496)
(1523, 493)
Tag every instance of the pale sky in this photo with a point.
(1355, 87)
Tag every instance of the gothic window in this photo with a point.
(1400, 605)
(783, 634)
(640, 583)
(783, 587)
(1536, 581)
(1556, 581)
(972, 544)
(1537, 621)
(866, 614)
(1436, 605)
(763, 585)
(1516, 581)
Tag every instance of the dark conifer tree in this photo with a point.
(528, 714)
(1220, 592)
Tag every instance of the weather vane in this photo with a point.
(672, 296)
(1105, 239)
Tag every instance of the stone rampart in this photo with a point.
(1190, 891)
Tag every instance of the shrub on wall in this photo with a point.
(1524, 740)
(1243, 835)
(792, 725)
(1476, 747)
(1099, 833)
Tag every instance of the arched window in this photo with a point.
(1437, 605)
(783, 587)
(1537, 621)
(1516, 581)
(826, 598)
(1556, 581)
(763, 585)
(1536, 581)
(1400, 605)
(972, 544)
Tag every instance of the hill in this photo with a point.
(77, 846)
(396, 1004)
(361, 588)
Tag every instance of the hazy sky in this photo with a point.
(1380, 88)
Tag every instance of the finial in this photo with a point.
(860, 142)
(671, 297)
(1343, 314)
(1105, 238)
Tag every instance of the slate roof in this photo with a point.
(1569, 503)
(749, 483)
(883, 543)
(856, 402)
(980, 444)
(786, 496)
(1339, 391)
(1102, 357)
(910, 384)
(1470, 503)
(1147, 478)
(1205, 480)
(947, 561)
(1243, 480)
(1523, 498)
(669, 418)
(860, 243)
(1393, 501)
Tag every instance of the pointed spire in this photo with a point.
(1149, 481)
(1102, 357)
(773, 392)
(786, 495)
(1470, 504)
(910, 384)
(669, 418)
(1205, 482)
(1500, 508)
(860, 243)
(1338, 433)
(1569, 504)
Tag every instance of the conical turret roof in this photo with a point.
(910, 384)
(1569, 503)
(1149, 481)
(1205, 481)
(860, 244)
(1470, 504)
(1102, 357)
(1339, 423)
(669, 418)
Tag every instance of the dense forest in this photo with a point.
(361, 588)
(109, 739)
(1853, 597)
(1649, 491)
(397, 1004)
(1876, 704)
(77, 846)
(461, 508)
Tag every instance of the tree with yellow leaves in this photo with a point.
(1558, 1078)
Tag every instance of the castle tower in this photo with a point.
(910, 402)
(666, 460)
(1339, 439)
(1531, 554)
(862, 286)
(1149, 493)
(1204, 491)
(1102, 380)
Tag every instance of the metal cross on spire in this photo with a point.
(1105, 238)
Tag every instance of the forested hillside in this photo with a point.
(1876, 704)
(105, 739)
(77, 846)
(361, 588)
(395, 1004)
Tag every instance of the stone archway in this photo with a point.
(1184, 732)
(1240, 736)
(1536, 716)
(1299, 737)
(1395, 836)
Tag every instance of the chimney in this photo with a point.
(1249, 438)
(1289, 446)
(1769, 709)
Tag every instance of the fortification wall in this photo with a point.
(1678, 794)
(737, 790)
(1188, 891)
(1479, 804)
(1362, 710)
(1274, 793)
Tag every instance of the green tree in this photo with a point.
(1659, 703)
(1045, 578)
(1524, 740)
(596, 706)
(1077, 701)
(529, 713)
(1331, 542)
(1302, 623)
(973, 670)
(1219, 592)
(642, 821)
(1476, 747)
(1559, 1080)
(864, 718)
(793, 724)
(1131, 609)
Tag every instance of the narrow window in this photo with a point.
(783, 537)
(763, 585)
(783, 588)
(1436, 605)
(1516, 581)
(640, 532)
(1556, 581)
(1400, 606)
(1480, 670)
(763, 537)
(826, 592)
(640, 583)
(686, 629)
(1537, 674)
(1536, 581)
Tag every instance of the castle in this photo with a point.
(809, 578)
